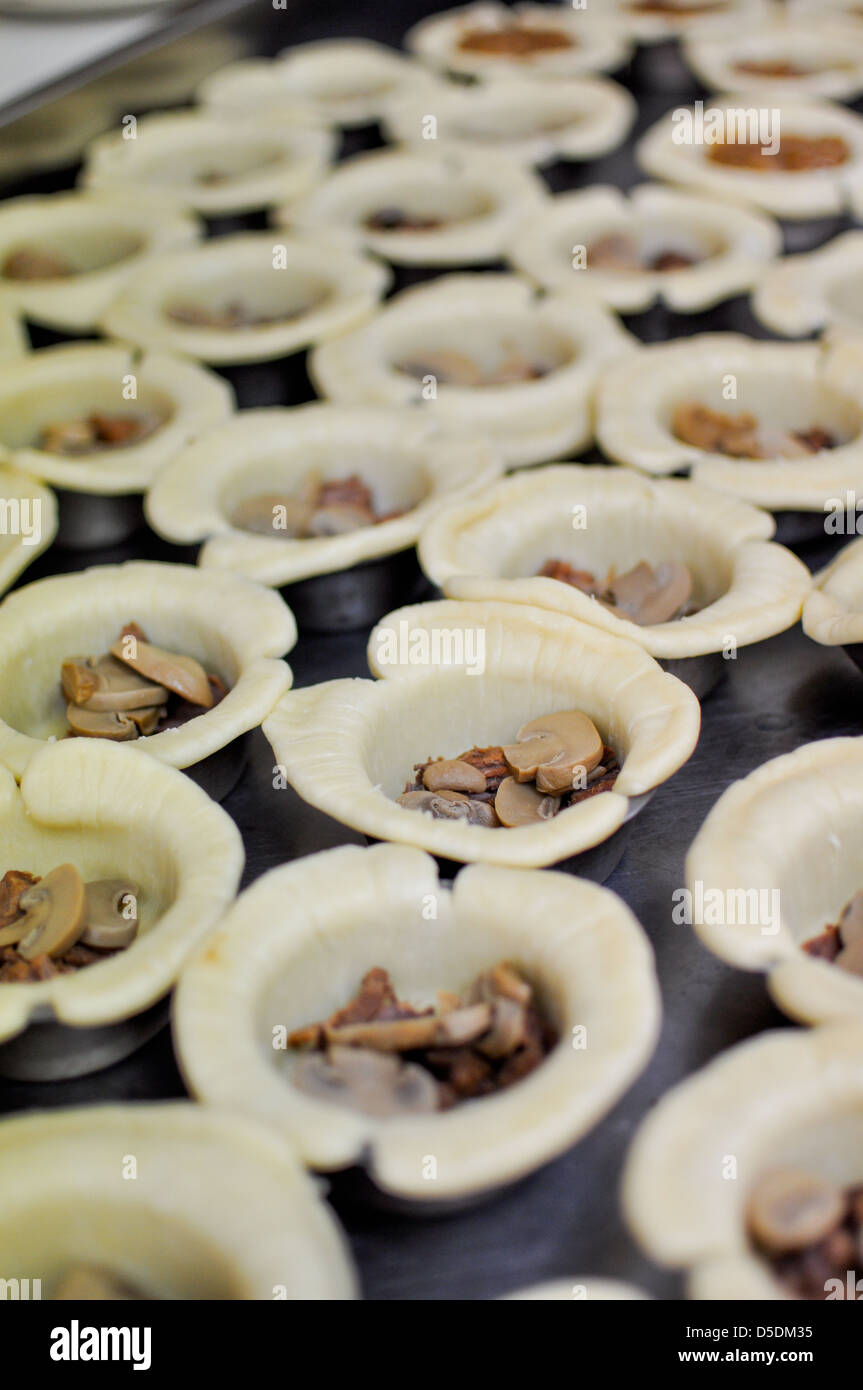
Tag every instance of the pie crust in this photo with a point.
(492, 547)
(105, 234)
(800, 295)
(399, 453)
(483, 315)
(789, 1097)
(576, 1290)
(650, 24)
(112, 810)
(323, 289)
(219, 1209)
(235, 628)
(736, 245)
(476, 201)
(347, 82)
(295, 945)
(783, 384)
(594, 47)
(22, 543)
(533, 661)
(529, 121)
(799, 195)
(68, 382)
(830, 56)
(768, 832)
(253, 164)
(833, 612)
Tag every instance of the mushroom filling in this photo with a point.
(232, 315)
(382, 1057)
(395, 219)
(645, 594)
(620, 252)
(809, 1230)
(456, 369)
(515, 41)
(330, 507)
(556, 761)
(765, 67)
(33, 263)
(59, 924)
(796, 153)
(741, 436)
(97, 433)
(841, 943)
(86, 1283)
(135, 689)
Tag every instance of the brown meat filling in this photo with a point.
(97, 433)
(327, 507)
(796, 153)
(515, 41)
(741, 436)
(809, 1232)
(841, 943)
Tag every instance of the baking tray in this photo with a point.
(563, 1220)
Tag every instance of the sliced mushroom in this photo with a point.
(338, 518)
(449, 805)
(111, 913)
(182, 674)
(104, 683)
(519, 803)
(851, 921)
(790, 1209)
(373, 1083)
(11, 935)
(410, 1034)
(271, 514)
(55, 907)
(114, 724)
(508, 1029)
(504, 982)
(648, 596)
(575, 746)
(145, 719)
(451, 774)
(524, 759)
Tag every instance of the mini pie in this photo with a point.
(783, 849)
(833, 612)
(115, 813)
(789, 1099)
(464, 675)
(800, 295)
(219, 1208)
(210, 162)
(422, 208)
(346, 81)
(577, 1289)
(28, 523)
(793, 59)
(48, 397)
(485, 39)
(53, 135)
(487, 354)
(65, 256)
(295, 947)
(651, 21)
(247, 298)
(234, 628)
(685, 249)
(494, 545)
(793, 430)
(526, 120)
(822, 144)
(271, 453)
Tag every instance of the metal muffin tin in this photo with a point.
(773, 697)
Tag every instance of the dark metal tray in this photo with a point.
(563, 1220)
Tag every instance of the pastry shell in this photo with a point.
(484, 315)
(113, 811)
(236, 629)
(736, 244)
(399, 453)
(68, 382)
(348, 746)
(295, 946)
(784, 1097)
(800, 295)
(491, 547)
(323, 289)
(830, 53)
(265, 162)
(792, 829)
(653, 25)
(219, 1208)
(833, 612)
(346, 82)
(26, 530)
(478, 202)
(799, 195)
(110, 236)
(594, 47)
(785, 385)
(533, 122)
(52, 136)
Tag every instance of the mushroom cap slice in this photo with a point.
(111, 913)
(526, 757)
(104, 683)
(789, 1209)
(452, 774)
(58, 904)
(648, 596)
(182, 674)
(117, 725)
(519, 803)
(372, 1082)
(574, 746)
